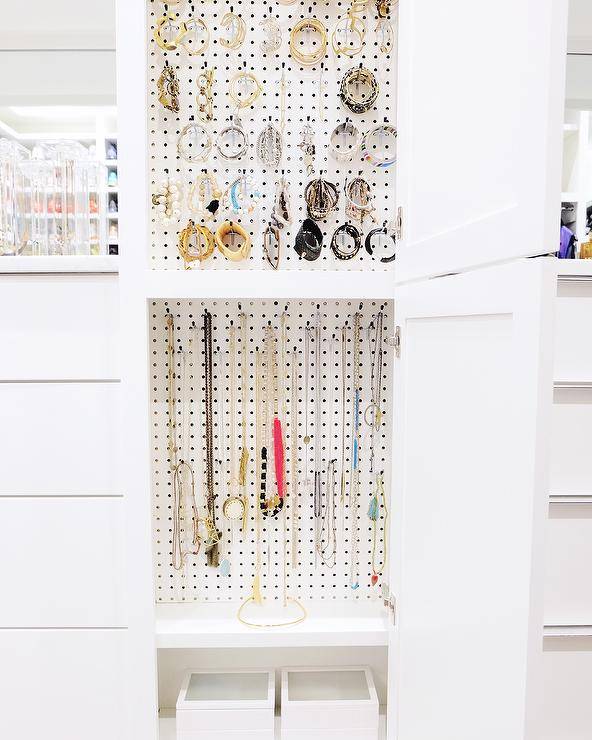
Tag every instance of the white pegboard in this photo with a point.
(302, 101)
(309, 580)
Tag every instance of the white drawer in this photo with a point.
(357, 734)
(340, 699)
(567, 709)
(62, 684)
(60, 438)
(62, 562)
(571, 461)
(573, 355)
(568, 585)
(59, 327)
(226, 701)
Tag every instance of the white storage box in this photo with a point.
(329, 704)
(226, 705)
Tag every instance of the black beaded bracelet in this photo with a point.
(356, 240)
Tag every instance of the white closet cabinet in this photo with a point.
(479, 99)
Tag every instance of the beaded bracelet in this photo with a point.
(353, 234)
(362, 100)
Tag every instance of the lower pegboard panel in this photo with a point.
(287, 543)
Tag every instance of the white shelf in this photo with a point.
(167, 729)
(216, 626)
(576, 630)
(284, 284)
(42, 265)
(570, 128)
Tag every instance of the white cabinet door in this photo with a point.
(472, 401)
(480, 132)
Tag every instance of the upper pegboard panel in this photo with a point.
(311, 97)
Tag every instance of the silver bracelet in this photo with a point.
(232, 142)
(344, 141)
(194, 143)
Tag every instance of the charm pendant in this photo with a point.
(273, 32)
(308, 148)
(374, 579)
(269, 146)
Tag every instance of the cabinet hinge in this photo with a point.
(390, 603)
(399, 224)
(395, 341)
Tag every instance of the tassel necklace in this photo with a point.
(355, 479)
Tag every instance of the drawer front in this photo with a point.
(347, 734)
(573, 357)
(227, 735)
(60, 438)
(62, 562)
(568, 585)
(321, 717)
(62, 685)
(571, 461)
(224, 719)
(567, 713)
(59, 327)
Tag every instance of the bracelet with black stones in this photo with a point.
(356, 239)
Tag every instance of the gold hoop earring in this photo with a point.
(236, 26)
(191, 26)
(242, 78)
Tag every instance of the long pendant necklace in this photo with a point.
(244, 458)
(294, 505)
(271, 507)
(355, 479)
(328, 536)
(327, 545)
(343, 482)
(212, 550)
(318, 483)
(234, 506)
(373, 412)
(178, 467)
(377, 502)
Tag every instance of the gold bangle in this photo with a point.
(350, 23)
(234, 23)
(234, 93)
(204, 246)
(242, 620)
(160, 23)
(192, 25)
(307, 59)
(236, 255)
